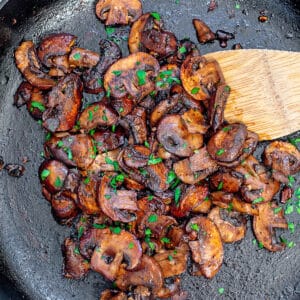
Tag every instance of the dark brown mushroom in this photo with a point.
(175, 137)
(148, 273)
(204, 33)
(97, 114)
(137, 123)
(63, 207)
(73, 150)
(264, 225)
(228, 181)
(196, 168)
(231, 224)
(200, 77)
(123, 106)
(112, 250)
(28, 64)
(113, 295)
(23, 94)
(119, 205)
(36, 104)
(172, 262)
(87, 196)
(283, 158)
(157, 175)
(83, 58)
(75, 266)
(132, 75)
(258, 184)
(61, 66)
(57, 44)
(193, 197)
(207, 250)
(195, 121)
(118, 12)
(63, 105)
(52, 175)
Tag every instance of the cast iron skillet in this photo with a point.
(30, 238)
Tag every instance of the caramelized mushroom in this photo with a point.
(123, 106)
(264, 225)
(204, 33)
(97, 114)
(283, 158)
(60, 65)
(193, 197)
(119, 205)
(93, 78)
(57, 44)
(64, 102)
(200, 77)
(172, 262)
(73, 150)
(132, 75)
(23, 94)
(29, 65)
(75, 266)
(87, 196)
(195, 168)
(113, 295)
(118, 12)
(231, 225)
(83, 58)
(207, 250)
(174, 136)
(52, 174)
(148, 273)
(36, 104)
(195, 121)
(228, 181)
(112, 250)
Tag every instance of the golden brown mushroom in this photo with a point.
(200, 77)
(231, 224)
(207, 250)
(83, 58)
(204, 33)
(113, 295)
(264, 225)
(132, 75)
(28, 64)
(118, 12)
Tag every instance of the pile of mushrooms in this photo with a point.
(150, 173)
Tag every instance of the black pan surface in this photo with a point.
(30, 239)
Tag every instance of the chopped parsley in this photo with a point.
(221, 291)
(90, 117)
(141, 76)
(195, 90)
(99, 226)
(130, 245)
(177, 193)
(44, 174)
(153, 161)
(227, 88)
(195, 227)
(291, 181)
(87, 180)
(107, 196)
(220, 151)
(80, 232)
(121, 109)
(115, 230)
(170, 257)
(155, 15)
(152, 218)
(182, 50)
(117, 73)
(147, 144)
(38, 105)
(165, 240)
(289, 209)
(76, 250)
(113, 163)
(150, 197)
(58, 182)
(104, 116)
(277, 209)
(294, 141)
(291, 227)
(113, 128)
(220, 186)
(77, 56)
(258, 200)
(227, 128)
(171, 176)
(109, 30)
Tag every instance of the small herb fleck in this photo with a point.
(117, 73)
(58, 182)
(115, 230)
(141, 76)
(107, 196)
(170, 257)
(44, 174)
(77, 56)
(147, 144)
(291, 227)
(221, 291)
(195, 90)
(220, 186)
(227, 128)
(38, 105)
(80, 232)
(220, 151)
(109, 30)
(155, 15)
(165, 240)
(152, 218)
(99, 226)
(182, 50)
(130, 245)
(153, 161)
(76, 250)
(87, 180)
(177, 193)
(258, 200)
(195, 227)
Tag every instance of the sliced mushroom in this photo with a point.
(131, 184)
(207, 250)
(231, 225)
(64, 102)
(148, 273)
(118, 12)
(52, 175)
(75, 266)
(172, 262)
(36, 104)
(97, 114)
(123, 106)
(73, 150)
(217, 105)
(193, 197)
(137, 123)
(23, 94)
(57, 44)
(228, 181)
(87, 196)
(196, 168)
(204, 33)
(119, 205)
(195, 121)
(83, 58)
(174, 136)
(145, 21)
(106, 140)
(113, 295)
(200, 77)
(112, 250)
(63, 206)
(264, 225)
(93, 78)
(258, 185)
(136, 77)
(283, 158)
(29, 65)
(60, 67)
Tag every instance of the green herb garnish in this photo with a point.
(117, 73)
(99, 226)
(195, 90)
(141, 76)
(77, 56)
(182, 50)
(155, 15)
(258, 200)
(195, 227)
(177, 193)
(44, 174)
(220, 151)
(38, 105)
(152, 218)
(153, 161)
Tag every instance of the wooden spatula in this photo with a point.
(265, 90)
